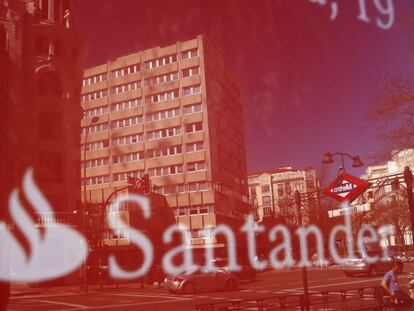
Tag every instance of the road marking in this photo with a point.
(44, 296)
(156, 296)
(73, 305)
(217, 298)
(129, 305)
(246, 290)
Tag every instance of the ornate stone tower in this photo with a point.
(40, 113)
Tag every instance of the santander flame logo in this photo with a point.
(55, 252)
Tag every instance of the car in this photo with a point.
(321, 262)
(199, 279)
(245, 273)
(359, 264)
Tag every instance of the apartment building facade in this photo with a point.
(173, 113)
(273, 192)
(40, 82)
(389, 194)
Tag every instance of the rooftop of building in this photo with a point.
(283, 169)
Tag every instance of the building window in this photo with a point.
(96, 111)
(128, 104)
(162, 152)
(163, 96)
(190, 90)
(168, 132)
(196, 146)
(192, 108)
(196, 166)
(197, 186)
(267, 211)
(160, 61)
(253, 191)
(161, 79)
(124, 176)
(161, 115)
(94, 95)
(127, 122)
(94, 79)
(125, 70)
(188, 72)
(127, 87)
(97, 180)
(189, 54)
(265, 189)
(95, 128)
(129, 157)
(126, 140)
(95, 162)
(288, 189)
(266, 199)
(280, 191)
(193, 127)
(166, 170)
(95, 145)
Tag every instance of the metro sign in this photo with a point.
(346, 188)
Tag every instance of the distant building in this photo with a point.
(174, 113)
(40, 84)
(273, 192)
(388, 193)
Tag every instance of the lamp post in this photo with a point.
(305, 302)
(328, 158)
(87, 128)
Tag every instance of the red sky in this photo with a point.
(307, 83)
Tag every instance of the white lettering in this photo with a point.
(135, 236)
(231, 249)
(347, 229)
(250, 230)
(167, 260)
(286, 247)
(303, 232)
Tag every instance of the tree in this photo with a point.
(391, 210)
(394, 116)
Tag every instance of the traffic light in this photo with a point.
(145, 184)
(395, 184)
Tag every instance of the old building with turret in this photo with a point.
(40, 83)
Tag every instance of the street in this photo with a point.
(132, 297)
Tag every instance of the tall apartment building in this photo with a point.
(40, 85)
(174, 113)
(273, 192)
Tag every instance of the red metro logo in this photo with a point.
(346, 188)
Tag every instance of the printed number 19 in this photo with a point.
(386, 10)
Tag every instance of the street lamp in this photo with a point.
(87, 128)
(328, 158)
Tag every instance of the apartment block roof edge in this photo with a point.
(283, 169)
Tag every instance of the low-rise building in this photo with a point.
(273, 192)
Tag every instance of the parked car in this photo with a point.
(246, 272)
(200, 280)
(360, 265)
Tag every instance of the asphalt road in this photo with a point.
(132, 297)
